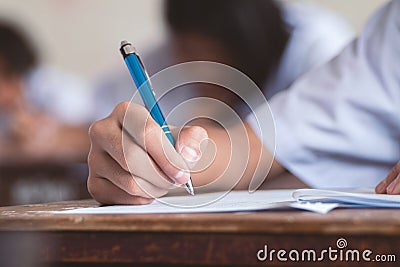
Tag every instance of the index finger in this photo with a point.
(137, 122)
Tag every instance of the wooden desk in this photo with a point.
(30, 234)
(38, 181)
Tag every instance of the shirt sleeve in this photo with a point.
(317, 34)
(339, 125)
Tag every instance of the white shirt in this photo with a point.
(339, 125)
(60, 94)
(317, 35)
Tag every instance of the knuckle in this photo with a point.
(91, 159)
(121, 159)
(397, 168)
(131, 187)
(151, 127)
(130, 108)
(139, 109)
(133, 155)
(151, 130)
(95, 130)
(138, 121)
(91, 186)
(195, 134)
(122, 107)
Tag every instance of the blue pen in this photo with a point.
(141, 79)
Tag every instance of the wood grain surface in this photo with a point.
(228, 239)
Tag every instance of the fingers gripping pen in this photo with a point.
(141, 79)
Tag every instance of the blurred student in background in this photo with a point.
(29, 128)
(273, 42)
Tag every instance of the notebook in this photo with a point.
(315, 200)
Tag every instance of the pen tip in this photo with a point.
(189, 187)
(189, 190)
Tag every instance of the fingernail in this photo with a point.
(381, 187)
(189, 154)
(390, 188)
(395, 186)
(182, 177)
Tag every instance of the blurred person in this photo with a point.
(27, 130)
(338, 126)
(273, 42)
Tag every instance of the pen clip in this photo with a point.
(143, 68)
(145, 74)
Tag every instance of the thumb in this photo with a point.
(189, 139)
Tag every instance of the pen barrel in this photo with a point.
(168, 133)
(157, 115)
(146, 92)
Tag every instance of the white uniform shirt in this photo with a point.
(60, 94)
(339, 125)
(316, 36)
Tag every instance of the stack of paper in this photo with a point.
(347, 199)
(321, 201)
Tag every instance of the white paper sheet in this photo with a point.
(234, 201)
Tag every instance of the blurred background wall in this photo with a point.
(71, 34)
(89, 29)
